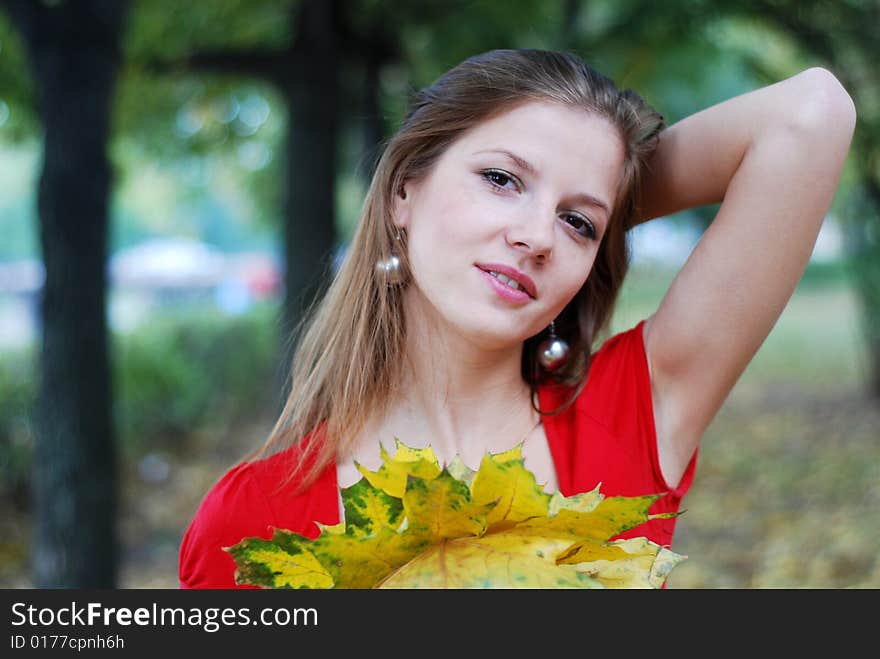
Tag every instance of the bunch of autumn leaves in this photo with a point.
(415, 524)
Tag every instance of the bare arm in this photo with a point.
(773, 158)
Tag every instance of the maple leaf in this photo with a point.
(415, 524)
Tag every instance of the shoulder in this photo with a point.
(251, 499)
(625, 348)
(234, 508)
(618, 379)
(619, 375)
(608, 433)
(608, 436)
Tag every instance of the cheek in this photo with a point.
(447, 222)
(572, 279)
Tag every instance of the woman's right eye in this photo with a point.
(499, 178)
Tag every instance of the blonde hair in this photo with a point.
(349, 358)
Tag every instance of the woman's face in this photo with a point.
(526, 195)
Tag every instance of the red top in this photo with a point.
(607, 437)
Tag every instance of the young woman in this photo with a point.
(486, 264)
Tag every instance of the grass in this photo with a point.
(817, 338)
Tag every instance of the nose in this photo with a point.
(533, 233)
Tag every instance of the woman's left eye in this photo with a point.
(582, 225)
(499, 178)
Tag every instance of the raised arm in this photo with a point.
(773, 158)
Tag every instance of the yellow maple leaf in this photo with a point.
(502, 479)
(392, 475)
(415, 524)
(270, 564)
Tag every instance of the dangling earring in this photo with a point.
(390, 269)
(553, 351)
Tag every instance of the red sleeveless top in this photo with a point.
(605, 438)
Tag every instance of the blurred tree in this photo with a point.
(19, 122)
(845, 36)
(73, 50)
(297, 54)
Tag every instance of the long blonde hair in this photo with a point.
(349, 358)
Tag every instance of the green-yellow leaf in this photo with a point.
(355, 561)
(460, 471)
(612, 515)
(584, 502)
(636, 563)
(491, 561)
(264, 563)
(413, 524)
(442, 508)
(391, 476)
(504, 478)
(367, 509)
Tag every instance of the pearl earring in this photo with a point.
(390, 269)
(553, 351)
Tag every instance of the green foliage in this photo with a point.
(205, 142)
(17, 394)
(173, 29)
(17, 117)
(181, 374)
(192, 370)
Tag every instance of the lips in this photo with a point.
(522, 279)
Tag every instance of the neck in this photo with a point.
(459, 396)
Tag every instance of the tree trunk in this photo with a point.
(864, 253)
(848, 47)
(372, 126)
(74, 53)
(309, 210)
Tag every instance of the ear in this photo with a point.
(401, 206)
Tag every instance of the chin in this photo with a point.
(495, 336)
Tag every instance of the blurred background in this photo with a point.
(178, 180)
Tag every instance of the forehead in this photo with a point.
(572, 145)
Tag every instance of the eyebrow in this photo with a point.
(579, 198)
